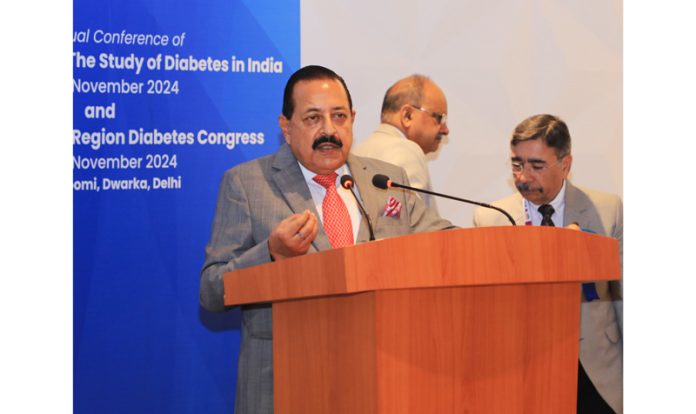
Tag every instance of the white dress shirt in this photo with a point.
(558, 204)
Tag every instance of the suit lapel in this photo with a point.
(291, 184)
(514, 207)
(517, 211)
(574, 206)
(371, 199)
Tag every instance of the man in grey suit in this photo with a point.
(541, 161)
(274, 208)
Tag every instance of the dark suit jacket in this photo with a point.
(253, 198)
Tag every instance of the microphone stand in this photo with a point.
(509, 217)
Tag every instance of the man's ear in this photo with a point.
(406, 116)
(285, 127)
(567, 163)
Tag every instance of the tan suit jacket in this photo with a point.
(601, 324)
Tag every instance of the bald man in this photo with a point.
(414, 122)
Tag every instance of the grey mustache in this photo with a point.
(525, 187)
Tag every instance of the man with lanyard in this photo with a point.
(540, 161)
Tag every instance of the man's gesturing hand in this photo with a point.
(292, 236)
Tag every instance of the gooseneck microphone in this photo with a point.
(348, 183)
(383, 182)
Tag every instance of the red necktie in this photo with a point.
(334, 213)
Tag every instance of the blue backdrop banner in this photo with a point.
(167, 95)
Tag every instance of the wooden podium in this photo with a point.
(461, 321)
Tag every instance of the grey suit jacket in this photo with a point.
(601, 322)
(253, 198)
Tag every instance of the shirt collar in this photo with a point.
(557, 203)
(391, 129)
(309, 175)
(534, 217)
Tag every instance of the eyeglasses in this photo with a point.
(440, 118)
(538, 167)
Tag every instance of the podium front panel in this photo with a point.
(481, 349)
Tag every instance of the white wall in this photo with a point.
(498, 62)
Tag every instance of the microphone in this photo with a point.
(347, 183)
(383, 182)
